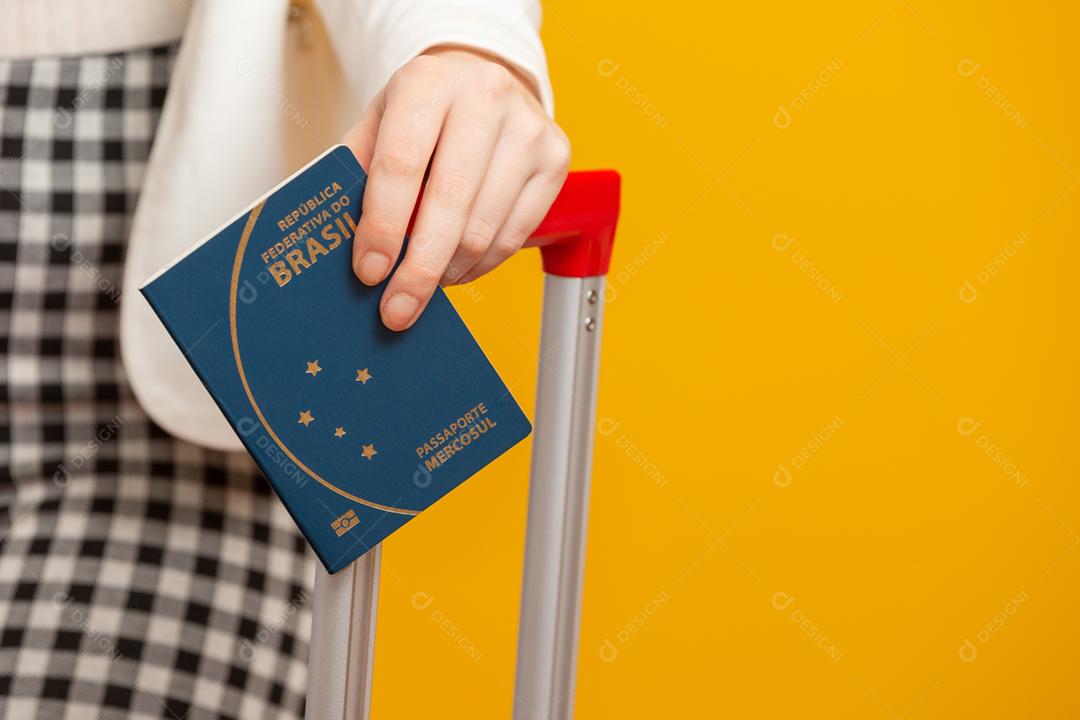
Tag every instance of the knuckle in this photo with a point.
(495, 79)
(477, 237)
(558, 159)
(419, 67)
(553, 176)
(382, 230)
(507, 243)
(451, 189)
(400, 162)
(532, 126)
(425, 271)
(561, 150)
(400, 76)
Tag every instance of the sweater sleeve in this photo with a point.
(374, 38)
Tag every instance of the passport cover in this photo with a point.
(357, 428)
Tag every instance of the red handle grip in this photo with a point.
(577, 235)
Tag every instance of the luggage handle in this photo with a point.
(575, 240)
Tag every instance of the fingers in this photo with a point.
(496, 164)
(406, 136)
(530, 208)
(457, 173)
(509, 170)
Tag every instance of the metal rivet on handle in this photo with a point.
(590, 324)
(591, 297)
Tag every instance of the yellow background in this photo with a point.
(898, 538)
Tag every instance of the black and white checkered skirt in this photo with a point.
(140, 576)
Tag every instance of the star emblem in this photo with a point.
(313, 368)
(339, 432)
(305, 418)
(369, 451)
(362, 376)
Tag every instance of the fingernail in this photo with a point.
(373, 266)
(399, 310)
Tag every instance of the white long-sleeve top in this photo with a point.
(259, 88)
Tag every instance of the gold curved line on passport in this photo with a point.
(237, 263)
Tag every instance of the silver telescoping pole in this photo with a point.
(558, 498)
(342, 647)
(343, 613)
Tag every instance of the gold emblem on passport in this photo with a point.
(344, 223)
(345, 523)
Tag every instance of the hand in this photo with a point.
(496, 164)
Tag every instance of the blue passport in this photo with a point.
(357, 428)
